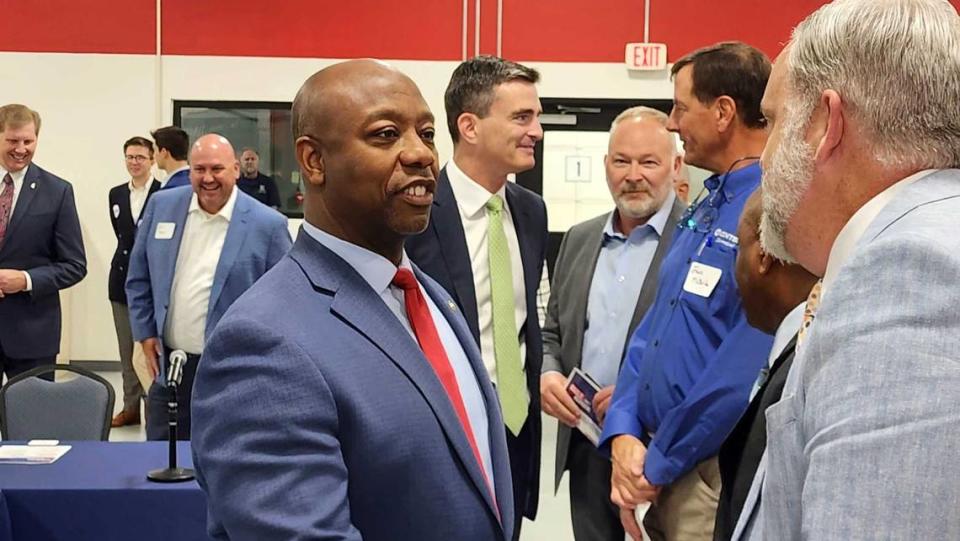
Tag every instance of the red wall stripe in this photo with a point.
(488, 27)
(471, 28)
(93, 26)
(570, 30)
(422, 30)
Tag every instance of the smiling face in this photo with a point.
(694, 121)
(508, 134)
(213, 172)
(371, 157)
(17, 146)
(139, 160)
(641, 164)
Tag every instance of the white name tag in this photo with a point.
(164, 230)
(702, 279)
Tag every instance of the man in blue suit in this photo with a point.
(172, 146)
(197, 250)
(41, 249)
(343, 397)
(493, 117)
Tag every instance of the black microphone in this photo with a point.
(177, 359)
(172, 473)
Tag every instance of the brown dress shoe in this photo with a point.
(125, 418)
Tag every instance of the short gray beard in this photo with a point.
(785, 181)
(637, 210)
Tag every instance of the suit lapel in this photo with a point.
(453, 248)
(171, 250)
(236, 234)
(524, 226)
(580, 285)
(363, 309)
(502, 480)
(32, 183)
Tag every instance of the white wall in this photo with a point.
(91, 104)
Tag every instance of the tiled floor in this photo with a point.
(553, 519)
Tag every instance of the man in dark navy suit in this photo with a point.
(127, 202)
(486, 242)
(172, 147)
(41, 249)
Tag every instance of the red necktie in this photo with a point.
(6, 202)
(418, 313)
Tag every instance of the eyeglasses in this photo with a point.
(137, 159)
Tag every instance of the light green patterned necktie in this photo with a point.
(506, 343)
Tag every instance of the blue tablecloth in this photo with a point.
(99, 491)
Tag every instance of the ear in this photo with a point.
(827, 125)
(310, 159)
(467, 124)
(677, 164)
(726, 112)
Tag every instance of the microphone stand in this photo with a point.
(172, 473)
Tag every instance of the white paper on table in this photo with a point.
(31, 454)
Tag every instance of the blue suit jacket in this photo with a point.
(256, 239)
(316, 416)
(441, 251)
(43, 238)
(178, 179)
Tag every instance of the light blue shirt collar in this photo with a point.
(375, 269)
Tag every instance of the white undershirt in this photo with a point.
(200, 248)
(471, 201)
(846, 241)
(138, 196)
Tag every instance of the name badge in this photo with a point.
(116, 211)
(702, 279)
(164, 230)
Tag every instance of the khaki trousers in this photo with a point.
(686, 510)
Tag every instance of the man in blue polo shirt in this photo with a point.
(690, 364)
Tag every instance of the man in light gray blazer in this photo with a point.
(861, 188)
(604, 281)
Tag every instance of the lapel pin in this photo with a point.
(33, 185)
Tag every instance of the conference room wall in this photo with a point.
(91, 103)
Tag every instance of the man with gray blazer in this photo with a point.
(604, 281)
(861, 187)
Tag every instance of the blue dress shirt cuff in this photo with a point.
(617, 422)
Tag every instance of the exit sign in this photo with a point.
(646, 56)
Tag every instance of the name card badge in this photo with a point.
(116, 211)
(164, 230)
(702, 279)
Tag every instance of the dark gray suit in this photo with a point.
(562, 349)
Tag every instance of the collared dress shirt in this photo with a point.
(618, 277)
(471, 201)
(17, 188)
(200, 248)
(693, 360)
(378, 272)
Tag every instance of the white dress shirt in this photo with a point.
(471, 201)
(17, 188)
(378, 272)
(200, 248)
(138, 196)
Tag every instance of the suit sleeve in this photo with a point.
(265, 478)
(70, 263)
(138, 286)
(881, 382)
(552, 337)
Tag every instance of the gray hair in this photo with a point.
(896, 63)
(642, 112)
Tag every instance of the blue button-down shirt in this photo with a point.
(379, 272)
(692, 361)
(618, 276)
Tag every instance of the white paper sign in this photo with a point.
(702, 279)
(164, 230)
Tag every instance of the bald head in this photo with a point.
(325, 94)
(214, 170)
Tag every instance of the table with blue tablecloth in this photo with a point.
(99, 491)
